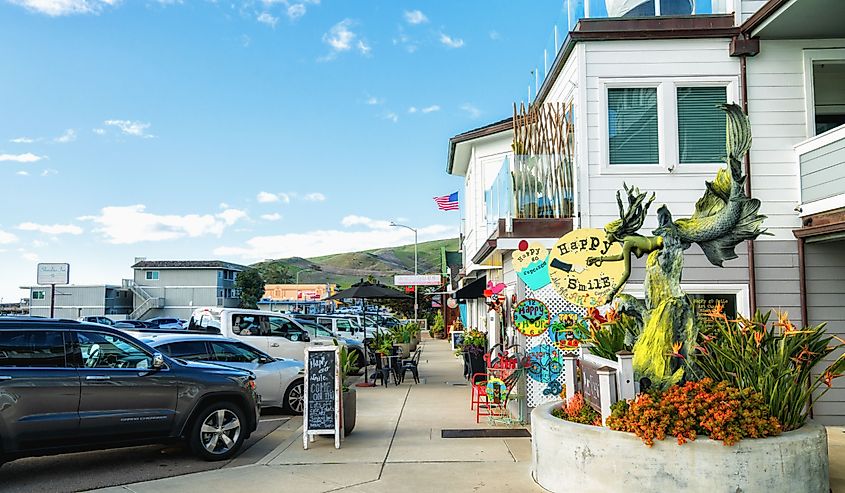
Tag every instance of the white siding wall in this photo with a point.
(749, 7)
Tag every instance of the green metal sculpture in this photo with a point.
(724, 217)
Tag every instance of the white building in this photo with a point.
(641, 95)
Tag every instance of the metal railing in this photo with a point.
(575, 10)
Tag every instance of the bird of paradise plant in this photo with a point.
(778, 360)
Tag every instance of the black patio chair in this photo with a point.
(412, 365)
(383, 372)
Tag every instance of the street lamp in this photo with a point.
(296, 302)
(416, 304)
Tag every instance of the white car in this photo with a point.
(271, 332)
(278, 381)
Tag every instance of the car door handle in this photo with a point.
(5, 377)
(97, 377)
(275, 344)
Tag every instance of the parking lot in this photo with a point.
(90, 470)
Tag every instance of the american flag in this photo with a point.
(447, 202)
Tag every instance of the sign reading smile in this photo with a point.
(531, 317)
(584, 285)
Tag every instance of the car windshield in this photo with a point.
(315, 328)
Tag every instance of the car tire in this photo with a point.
(294, 401)
(209, 429)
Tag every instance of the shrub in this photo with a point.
(578, 411)
(777, 360)
(438, 326)
(685, 411)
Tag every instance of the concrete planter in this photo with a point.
(573, 457)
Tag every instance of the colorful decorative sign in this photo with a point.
(545, 366)
(496, 390)
(577, 274)
(531, 317)
(568, 331)
(532, 265)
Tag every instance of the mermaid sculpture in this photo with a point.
(724, 217)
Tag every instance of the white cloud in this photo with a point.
(51, 229)
(341, 38)
(99, 131)
(267, 18)
(68, 136)
(373, 101)
(55, 8)
(471, 110)
(39, 243)
(315, 197)
(296, 11)
(6, 238)
(275, 216)
(391, 116)
(30, 256)
(268, 198)
(125, 225)
(129, 127)
(415, 17)
(21, 158)
(23, 140)
(374, 234)
(22, 173)
(49, 172)
(451, 42)
(494, 35)
(431, 109)
(412, 109)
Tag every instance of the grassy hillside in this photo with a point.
(345, 269)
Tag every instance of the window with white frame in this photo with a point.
(151, 275)
(656, 125)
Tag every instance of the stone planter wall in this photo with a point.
(572, 457)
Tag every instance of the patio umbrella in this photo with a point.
(367, 291)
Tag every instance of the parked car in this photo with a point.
(132, 324)
(317, 330)
(339, 325)
(165, 323)
(98, 320)
(272, 332)
(68, 386)
(279, 381)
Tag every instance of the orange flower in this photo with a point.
(717, 312)
(828, 377)
(784, 323)
(758, 338)
(676, 350)
(612, 314)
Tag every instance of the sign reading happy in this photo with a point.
(582, 284)
(532, 265)
(531, 317)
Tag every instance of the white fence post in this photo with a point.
(626, 374)
(607, 388)
(569, 374)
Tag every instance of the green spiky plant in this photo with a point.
(348, 364)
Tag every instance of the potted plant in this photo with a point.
(348, 366)
(402, 338)
(414, 329)
(437, 327)
(474, 347)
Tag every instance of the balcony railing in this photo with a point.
(575, 10)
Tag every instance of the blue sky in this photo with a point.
(240, 130)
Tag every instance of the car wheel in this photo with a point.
(218, 432)
(294, 398)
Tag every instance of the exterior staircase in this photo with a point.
(149, 302)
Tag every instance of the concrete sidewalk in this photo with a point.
(396, 447)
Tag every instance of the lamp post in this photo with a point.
(296, 302)
(416, 299)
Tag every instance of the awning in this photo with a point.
(473, 290)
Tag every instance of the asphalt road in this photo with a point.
(88, 470)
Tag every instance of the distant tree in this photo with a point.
(276, 273)
(251, 286)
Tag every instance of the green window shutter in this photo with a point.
(632, 125)
(701, 124)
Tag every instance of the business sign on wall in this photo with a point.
(417, 280)
(53, 274)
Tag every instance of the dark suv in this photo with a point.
(67, 385)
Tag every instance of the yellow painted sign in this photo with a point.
(582, 284)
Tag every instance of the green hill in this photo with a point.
(344, 269)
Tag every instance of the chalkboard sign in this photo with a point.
(322, 414)
(706, 302)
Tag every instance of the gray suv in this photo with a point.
(67, 385)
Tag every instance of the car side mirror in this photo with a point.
(158, 361)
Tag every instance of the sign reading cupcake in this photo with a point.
(531, 264)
